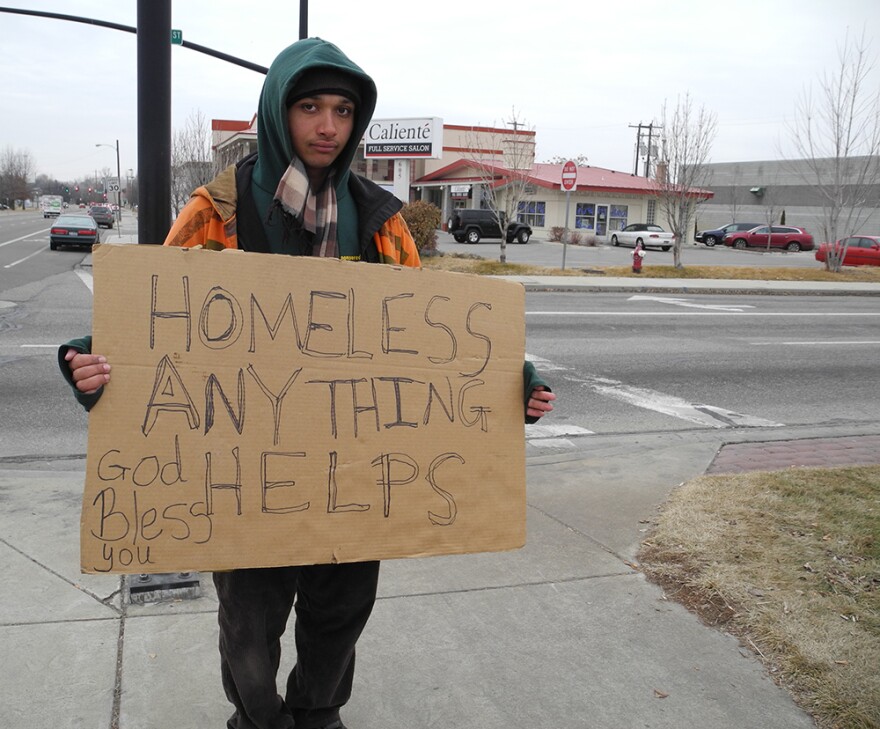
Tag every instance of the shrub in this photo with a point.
(574, 237)
(423, 219)
(556, 233)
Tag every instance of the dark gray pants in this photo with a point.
(333, 604)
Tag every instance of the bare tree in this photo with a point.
(836, 133)
(688, 134)
(503, 160)
(192, 163)
(16, 169)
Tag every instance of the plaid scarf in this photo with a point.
(315, 212)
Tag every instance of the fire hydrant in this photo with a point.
(638, 255)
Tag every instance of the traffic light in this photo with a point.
(76, 187)
(66, 190)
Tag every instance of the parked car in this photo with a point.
(103, 215)
(650, 236)
(861, 250)
(716, 235)
(472, 225)
(781, 236)
(73, 230)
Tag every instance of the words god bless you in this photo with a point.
(268, 410)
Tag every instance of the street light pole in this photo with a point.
(118, 188)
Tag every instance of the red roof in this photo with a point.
(549, 176)
(228, 125)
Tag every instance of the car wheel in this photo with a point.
(459, 238)
(614, 241)
(666, 248)
(473, 236)
(711, 240)
(522, 236)
(740, 243)
(794, 246)
(53, 246)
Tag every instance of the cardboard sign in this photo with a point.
(273, 410)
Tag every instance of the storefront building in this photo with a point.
(477, 157)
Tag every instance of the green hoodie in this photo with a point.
(273, 138)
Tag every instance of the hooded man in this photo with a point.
(297, 196)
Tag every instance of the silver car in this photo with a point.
(650, 236)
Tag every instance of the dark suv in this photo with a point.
(103, 215)
(472, 225)
(716, 235)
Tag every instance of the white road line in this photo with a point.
(22, 260)
(554, 431)
(39, 346)
(692, 304)
(708, 415)
(551, 443)
(702, 313)
(86, 279)
(29, 235)
(810, 344)
(544, 364)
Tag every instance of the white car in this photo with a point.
(650, 236)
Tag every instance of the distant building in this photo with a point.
(602, 201)
(764, 190)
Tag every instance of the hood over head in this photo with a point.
(308, 65)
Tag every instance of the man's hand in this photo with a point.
(90, 372)
(540, 403)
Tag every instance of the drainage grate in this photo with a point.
(142, 588)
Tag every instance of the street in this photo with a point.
(620, 362)
(639, 363)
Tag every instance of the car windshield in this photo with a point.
(74, 220)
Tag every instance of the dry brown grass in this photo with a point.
(790, 562)
(472, 264)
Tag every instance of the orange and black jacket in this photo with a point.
(222, 214)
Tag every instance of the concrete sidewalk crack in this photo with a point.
(104, 601)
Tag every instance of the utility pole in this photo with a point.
(638, 144)
(649, 128)
(303, 19)
(154, 119)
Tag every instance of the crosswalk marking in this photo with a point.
(711, 416)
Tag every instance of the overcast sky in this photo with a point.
(578, 72)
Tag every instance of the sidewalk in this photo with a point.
(565, 632)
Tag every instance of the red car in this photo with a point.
(861, 250)
(782, 236)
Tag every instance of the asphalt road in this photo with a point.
(621, 363)
(624, 362)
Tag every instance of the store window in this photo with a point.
(617, 219)
(585, 216)
(531, 213)
(652, 212)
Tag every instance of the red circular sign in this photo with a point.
(569, 175)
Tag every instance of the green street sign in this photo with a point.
(177, 37)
